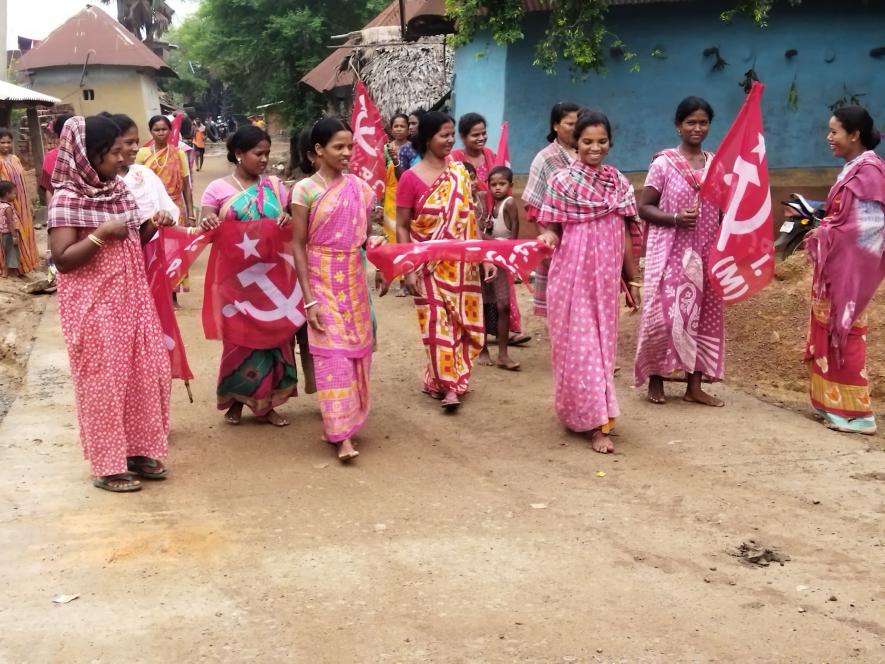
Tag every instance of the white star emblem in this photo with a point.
(760, 148)
(248, 247)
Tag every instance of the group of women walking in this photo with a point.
(105, 207)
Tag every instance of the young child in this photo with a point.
(502, 224)
(10, 230)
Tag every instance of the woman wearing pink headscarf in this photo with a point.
(119, 362)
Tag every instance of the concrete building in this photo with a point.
(835, 58)
(94, 64)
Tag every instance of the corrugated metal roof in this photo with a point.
(93, 33)
(10, 92)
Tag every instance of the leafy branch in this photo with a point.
(576, 32)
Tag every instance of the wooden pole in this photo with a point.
(36, 135)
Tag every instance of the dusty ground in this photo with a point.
(488, 536)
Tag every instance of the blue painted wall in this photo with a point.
(641, 104)
(482, 82)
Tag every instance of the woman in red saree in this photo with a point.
(119, 362)
(848, 255)
(433, 203)
(11, 169)
(331, 213)
(261, 378)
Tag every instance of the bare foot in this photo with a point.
(484, 359)
(699, 396)
(504, 362)
(656, 390)
(273, 417)
(234, 414)
(432, 394)
(346, 451)
(601, 443)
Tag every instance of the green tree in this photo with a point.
(576, 32)
(147, 19)
(262, 48)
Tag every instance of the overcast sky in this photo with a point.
(37, 18)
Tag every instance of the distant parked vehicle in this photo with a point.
(803, 215)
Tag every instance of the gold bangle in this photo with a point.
(94, 239)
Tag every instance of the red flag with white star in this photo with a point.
(251, 296)
(742, 260)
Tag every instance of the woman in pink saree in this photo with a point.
(119, 362)
(682, 333)
(331, 211)
(848, 254)
(585, 213)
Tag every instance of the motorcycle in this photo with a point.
(803, 215)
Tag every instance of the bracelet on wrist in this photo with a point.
(94, 239)
(310, 304)
(635, 284)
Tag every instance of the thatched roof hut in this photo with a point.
(402, 76)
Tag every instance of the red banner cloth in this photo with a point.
(251, 295)
(519, 257)
(369, 137)
(502, 156)
(161, 289)
(742, 261)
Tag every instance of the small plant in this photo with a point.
(750, 77)
(793, 97)
(719, 64)
(659, 53)
(847, 99)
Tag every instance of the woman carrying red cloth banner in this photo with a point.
(119, 363)
(257, 363)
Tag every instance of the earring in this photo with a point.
(239, 160)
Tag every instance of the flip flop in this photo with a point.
(510, 367)
(144, 468)
(105, 483)
(450, 404)
(344, 458)
(519, 340)
(432, 395)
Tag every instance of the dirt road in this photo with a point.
(487, 536)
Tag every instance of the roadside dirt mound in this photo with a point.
(766, 338)
(20, 314)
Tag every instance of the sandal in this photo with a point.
(106, 483)
(519, 340)
(451, 402)
(432, 394)
(146, 468)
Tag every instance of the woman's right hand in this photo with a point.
(115, 228)
(209, 222)
(413, 288)
(549, 238)
(313, 319)
(686, 219)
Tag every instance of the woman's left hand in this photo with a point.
(491, 271)
(163, 218)
(375, 241)
(284, 220)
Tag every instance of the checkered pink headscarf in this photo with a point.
(81, 199)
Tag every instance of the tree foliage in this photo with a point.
(148, 19)
(262, 48)
(576, 31)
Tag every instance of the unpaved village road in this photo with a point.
(487, 536)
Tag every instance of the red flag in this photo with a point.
(161, 289)
(369, 137)
(519, 257)
(251, 294)
(742, 261)
(175, 132)
(502, 156)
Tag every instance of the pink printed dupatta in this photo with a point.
(847, 249)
